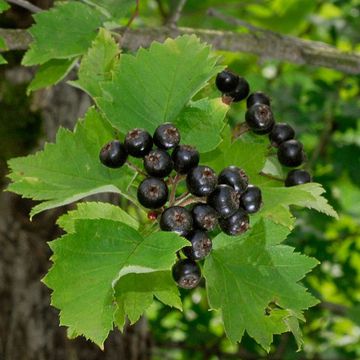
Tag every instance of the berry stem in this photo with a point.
(135, 168)
(189, 200)
(271, 177)
(240, 129)
(182, 197)
(174, 182)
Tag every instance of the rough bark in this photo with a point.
(29, 326)
(265, 44)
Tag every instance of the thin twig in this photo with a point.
(162, 9)
(25, 5)
(240, 129)
(189, 200)
(135, 168)
(175, 16)
(182, 197)
(135, 14)
(271, 177)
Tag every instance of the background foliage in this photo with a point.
(324, 107)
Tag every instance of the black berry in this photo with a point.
(225, 200)
(260, 119)
(158, 163)
(185, 157)
(176, 219)
(241, 92)
(236, 224)
(281, 132)
(201, 180)
(152, 193)
(226, 81)
(297, 177)
(200, 245)
(204, 216)
(290, 153)
(257, 97)
(251, 199)
(166, 136)
(235, 177)
(138, 143)
(186, 273)
(113, 154)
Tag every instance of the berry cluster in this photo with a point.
(226, 199)
(259, 118)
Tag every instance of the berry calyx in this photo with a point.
(200, 245)
(186, 273)
(297, 177)
(260, 119)
(281, 132)
(235, 177)
(166, 136)
(158, 163)
(251, 199)
(225, 200)
(176, 219)
(235, 224)
(185, 157)
(201, 180)
(113, 154)
(152, 193)
(138, 142)
(290, 153)
(241, 91)
(257, 97)
(226, 81)
(204, 216)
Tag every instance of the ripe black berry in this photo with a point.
(200, 245)
(251, 199)
(225, 200)
(236, 224)
(152, 193)
(186, 273)
(204, 216)
(176, 219)
(158, 163)
(201, 180)
(257, 97)
(226, 81)
(260, 119)
(166, 136)
(185, 157)
(235, 177)
(138, 143)
(290, 153)
(297, 177)
(241, 92)
(113, 154)
(281, 132)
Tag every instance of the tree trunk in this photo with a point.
(29, 326)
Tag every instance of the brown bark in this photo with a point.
(29, 326)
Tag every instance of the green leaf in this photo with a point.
(278, 199)
(88, 263)
(202, 122)
(247, 152)
(70, 169)
(134, 293)
(154, 86)
(97, 65)
(95, 210)
(114, 8)
(73, 27)
(51, 73)
(244, 278)
(4, 6)
(3, 46)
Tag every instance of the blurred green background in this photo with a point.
(324, 107)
